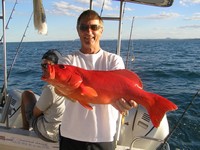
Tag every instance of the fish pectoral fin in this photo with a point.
(86, 105)
(88, 91)
(75, 81)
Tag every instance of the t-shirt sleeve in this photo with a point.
(46, 99)
(116, 62)
(65, 60)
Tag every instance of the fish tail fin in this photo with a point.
(39, 17)
(159, 107)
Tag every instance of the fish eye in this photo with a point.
(61, 66)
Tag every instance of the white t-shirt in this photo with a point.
(53, 107)
(99, 124)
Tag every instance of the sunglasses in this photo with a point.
(93, 27)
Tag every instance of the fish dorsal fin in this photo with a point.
(88, 91)
(130, 75)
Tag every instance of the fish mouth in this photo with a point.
(48, 72)
(45, 75)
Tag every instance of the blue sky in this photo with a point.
(181, 20)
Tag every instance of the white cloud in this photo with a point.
(162, 15)
(187, 2)
(195, 26)
(105, 3)
(196, 16)
(82, 1)
(98, 3)
(65, 8)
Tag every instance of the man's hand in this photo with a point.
(123, 106)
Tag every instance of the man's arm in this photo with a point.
(36, 112)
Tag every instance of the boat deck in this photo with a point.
(15, 138)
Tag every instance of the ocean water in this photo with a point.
(168, 67)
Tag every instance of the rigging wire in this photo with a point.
(10, 17)
(123, 13)
(18, 49)
(128, 53)
(102, 7)
(123, 4)
(180, 119)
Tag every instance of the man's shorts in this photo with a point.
(35, 123)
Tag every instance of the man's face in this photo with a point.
(44, 64)
(90, 33)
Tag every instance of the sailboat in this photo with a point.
(135, 132)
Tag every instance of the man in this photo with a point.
(44, 115)
(83, 129)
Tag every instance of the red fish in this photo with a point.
(105, 87)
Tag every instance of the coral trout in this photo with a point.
(105, 87)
